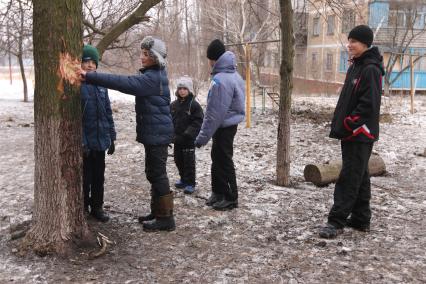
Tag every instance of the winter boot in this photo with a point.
(330, 232)
(164, 220)
(358, 226)
(180, 184)
(99, 214)
(151, 215)
(225, 205)
(214, 198)
(189, 189)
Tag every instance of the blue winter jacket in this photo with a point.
(226, 98)
(98, 124)
(154, 125)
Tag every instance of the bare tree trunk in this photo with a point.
(24, 78)
(20, 52)
(286, 73)
(58, 221)
(188, 40)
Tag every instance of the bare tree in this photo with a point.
(286, 73)
(58, 221)
(16, 38)
(398, 36)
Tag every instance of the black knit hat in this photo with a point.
(362, 33)
(215, 50)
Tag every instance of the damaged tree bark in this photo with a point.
(58, 222)
(323, 174)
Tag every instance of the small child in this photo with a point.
(98, 136)
(187, 120)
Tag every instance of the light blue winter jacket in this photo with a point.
(226, 98)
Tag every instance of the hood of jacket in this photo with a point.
(227, 63)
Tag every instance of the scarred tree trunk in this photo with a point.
(58, 222)
(286, 73)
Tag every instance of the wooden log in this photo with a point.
(323, 174)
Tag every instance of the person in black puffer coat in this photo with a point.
(356, 123)
(187, 120)
(154, 126)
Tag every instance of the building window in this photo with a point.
(314, 59)
(348, 21)
(330, 24)
(316, 27)
(344, 61)
(329, 62)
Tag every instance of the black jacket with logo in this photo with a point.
(187, 117)
(356, 117)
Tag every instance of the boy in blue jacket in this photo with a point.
(98, 136)
(224, 111)
(154, 126)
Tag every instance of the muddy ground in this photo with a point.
(270, 238)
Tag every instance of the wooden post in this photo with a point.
(248, 92)
(412, 83)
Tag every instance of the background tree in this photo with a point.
(286, 74)
(15, 36)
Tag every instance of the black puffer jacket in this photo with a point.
(187, 117)
(356, 117)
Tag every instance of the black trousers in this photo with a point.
(224, 181)
(155, 169)
(185, 162)
(352, 193)
(93, 179)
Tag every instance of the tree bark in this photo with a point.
(286, 73)
(135, 18)
(23, 76)
(323, 174)
(58, 221)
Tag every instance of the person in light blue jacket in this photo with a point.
(224, 111)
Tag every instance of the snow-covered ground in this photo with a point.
(270, 238)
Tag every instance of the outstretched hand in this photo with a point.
(82, 74)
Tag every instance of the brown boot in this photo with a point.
(164, 220)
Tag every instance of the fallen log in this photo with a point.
(323, 174)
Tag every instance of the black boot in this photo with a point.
(151, 215)
(225, 205)
(357, 225)
(214, 198)
(330, 232)
(99, 214)
(164, 220)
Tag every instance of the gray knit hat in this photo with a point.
(157, 47)
(186, 82)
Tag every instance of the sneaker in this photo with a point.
(189, 189)
(225, 205)
(329, 232)
(358, 226)
(180, 184)
(213, 199)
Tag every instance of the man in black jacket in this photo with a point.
(356, 124)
